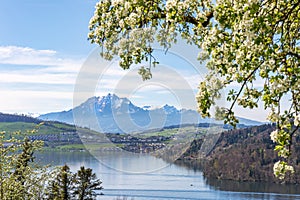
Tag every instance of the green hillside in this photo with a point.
(44, 128)
(11, 123)
(56, 135)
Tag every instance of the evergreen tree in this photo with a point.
(60, 186)
(85, 184)
(23, 159)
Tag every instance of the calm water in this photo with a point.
(146, 177)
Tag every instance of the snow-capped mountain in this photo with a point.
(169, 109)
(111, 104)
(112, 114)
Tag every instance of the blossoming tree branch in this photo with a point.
(241, 41)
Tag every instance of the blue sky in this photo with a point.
(43, 48)
(59, 25)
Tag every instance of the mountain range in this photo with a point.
(112, 114)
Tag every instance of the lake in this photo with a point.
(138, 176)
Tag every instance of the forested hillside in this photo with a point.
(244, 155)
(18, 118)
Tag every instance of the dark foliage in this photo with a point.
(80, 186)
(244, 155)
(18, 118)
(60, 187)
(85, 184)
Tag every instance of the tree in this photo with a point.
(242, 41)
(60, 187)
(85, 184)
(25, 158)
(20, 178)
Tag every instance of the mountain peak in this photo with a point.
(168, 106)
(112, 103)
(108, 97)
(169, 109)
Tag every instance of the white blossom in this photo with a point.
(280, 168)
(274, 135)
(297, 120)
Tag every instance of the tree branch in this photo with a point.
(242, 87)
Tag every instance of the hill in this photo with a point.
(11, 123)
(56, 135)
(243, 155)
(18, 118)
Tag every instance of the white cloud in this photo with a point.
(37, 78)
(137, 96)
(18, 101)
(55, 69)
(26, 56)
(163, 77)
(31, 89)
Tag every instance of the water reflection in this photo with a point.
(191, 164)
(55, 158)
(236, 186)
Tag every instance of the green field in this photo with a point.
(46, 128)
(187, 132)
(89, 139)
